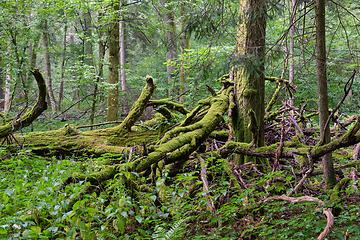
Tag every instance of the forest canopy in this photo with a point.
(179, 119)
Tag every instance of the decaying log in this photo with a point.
(176, 145)
(25, 120)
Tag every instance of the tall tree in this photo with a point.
(291, 47)
(170, 28)
(329, 172)
(122, 50)
(47, 62)
(248, 116)
(113, 78)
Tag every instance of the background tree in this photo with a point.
(113, 79)
(329, 172)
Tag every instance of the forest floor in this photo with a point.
(33, 205)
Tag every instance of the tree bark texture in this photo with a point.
(248, 116)
(329, 172)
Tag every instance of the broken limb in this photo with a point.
(25, 120)
(138, 108)
(169, 105)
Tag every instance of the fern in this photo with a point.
(175, 232)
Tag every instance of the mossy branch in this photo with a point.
(138, 107)
(25, 120)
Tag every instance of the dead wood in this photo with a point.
(30, 115)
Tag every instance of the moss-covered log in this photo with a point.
(176, 145)
(25, 120)
(111, 140)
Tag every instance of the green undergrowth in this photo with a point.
(32, 206)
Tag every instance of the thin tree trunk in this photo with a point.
(123, 59)
(185, 45)
(122, 52)
(113, 79)
(61, 90)
(7, 97)
(48, 78)
(98, 79)
(329, 172)
(171, 55)
(291, 50)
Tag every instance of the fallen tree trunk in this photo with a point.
(176, 145)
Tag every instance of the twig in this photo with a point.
(281, 145)
(99, 124)
(73, 105)
(347, 89)
(210, 202)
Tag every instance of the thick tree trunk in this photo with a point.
(248, 116)
(113, 79)
(329, 172)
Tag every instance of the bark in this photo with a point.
(329, 172)
(25, 120)
(48, 78)
(248, 116)
(113, 79)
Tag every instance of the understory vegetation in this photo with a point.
(32, 205)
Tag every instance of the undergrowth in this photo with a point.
(32, 206)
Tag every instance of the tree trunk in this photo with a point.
(7, 97)
(113, 79)
(98, 78)
(122, 52)
(2, 95)
(291, 47)
(170, 28)
(185, 45)
(48, 79)
(248, 116)
(329, 172)
(61, 90)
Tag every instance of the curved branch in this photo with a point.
(25, 120)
